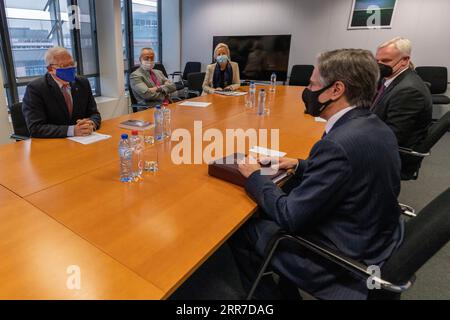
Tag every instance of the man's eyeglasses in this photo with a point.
(59, 66)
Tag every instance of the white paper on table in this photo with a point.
(94, 137)
(195, 104)
(231, 93)
(267, 152)
(319, 119)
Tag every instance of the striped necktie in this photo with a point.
(68, 98)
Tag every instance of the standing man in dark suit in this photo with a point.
(343, 196)
(60, 104)
(403, 100)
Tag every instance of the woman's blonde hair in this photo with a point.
(222, 45)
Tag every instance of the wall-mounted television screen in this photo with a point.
(258, 56)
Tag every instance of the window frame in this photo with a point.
(129, 37)
(12, 83)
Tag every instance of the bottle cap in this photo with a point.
(165, 103)
(158, 106)
(262, 90)
(124, 136)
(134, 132)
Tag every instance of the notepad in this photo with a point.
(195, 104)
(94, 137)
(267, 152)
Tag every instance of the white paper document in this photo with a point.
(319, 119)
(195, 104)
(231, 93)
(267, 152)
(94, 137)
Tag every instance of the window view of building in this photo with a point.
(140, 28)
(145, 27)
(36, 25)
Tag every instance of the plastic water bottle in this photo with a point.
(252, 94)
(167, 129)
(125, 153)
(261, 102)
(159, 123)
(273, 82)
(137, 145)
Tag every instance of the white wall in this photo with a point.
(315, 26)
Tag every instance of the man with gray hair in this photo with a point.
(60, 104)
(403, 100)
(343, 196)
(150, 87)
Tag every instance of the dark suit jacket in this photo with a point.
(406, 107)
(45, 110)
(344, 196)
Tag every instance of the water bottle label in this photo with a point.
(125, 153)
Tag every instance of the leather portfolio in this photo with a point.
(227, 169)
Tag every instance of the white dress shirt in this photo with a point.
(335, 117)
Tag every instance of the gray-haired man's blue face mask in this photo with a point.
(66, 74)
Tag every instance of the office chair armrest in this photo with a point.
(175, 73)
(351, 265)
(18, 137)
(194, 92)
(138, 107)
(411, 152)
(407, 210)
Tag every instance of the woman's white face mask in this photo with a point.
(147, 65)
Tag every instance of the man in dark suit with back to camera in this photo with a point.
(60, 104)
(403, 100)
(343, 196)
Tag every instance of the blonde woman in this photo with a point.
(222, 75)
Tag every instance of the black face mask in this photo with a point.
(311, 99)
(385, 70)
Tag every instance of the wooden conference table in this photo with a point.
(149, 235)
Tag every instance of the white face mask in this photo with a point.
(147, 65)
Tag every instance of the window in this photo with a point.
(33, 26)
(145, 28)
(141, 26)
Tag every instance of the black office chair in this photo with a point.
(416, 155)
(300, 75)
(437, 77)
(190, 67)
(18, 121)
(159, 66)
(195, 83)
(424, 236)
